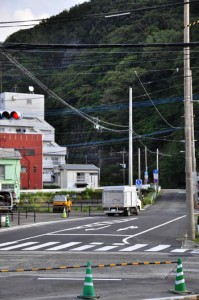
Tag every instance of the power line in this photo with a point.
(28, 46)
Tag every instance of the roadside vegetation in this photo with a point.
(42, 201)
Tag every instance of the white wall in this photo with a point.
(31, 105)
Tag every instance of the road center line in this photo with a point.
(150, 229)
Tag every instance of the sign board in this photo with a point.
(138, 183)
(155, 174)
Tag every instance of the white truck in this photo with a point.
(122, 200)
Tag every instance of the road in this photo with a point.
(156, 234)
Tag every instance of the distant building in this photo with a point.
(30, 148)
(73, 176)
(10, 170)
(32, 107)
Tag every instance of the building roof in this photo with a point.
(79, 167)
(9, 153)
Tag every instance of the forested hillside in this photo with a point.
(96, 81)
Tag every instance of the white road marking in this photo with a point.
(150, 229)
(96, 225)
(106, 248)
(179, 250)
(63, 246)
(195, 251)
(18, 246)
(81, 248)
(40, 246)
(130, 227)
(96, 243)
(158, 248)
(134, 247)
(8, 243)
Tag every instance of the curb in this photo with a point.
(191, 297)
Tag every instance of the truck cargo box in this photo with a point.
(120, 200)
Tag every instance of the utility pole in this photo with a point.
(195, 183)
(123, 165)
(139, 164)
(157, 167)
(146, 167)
(188, 128)
(130, 137)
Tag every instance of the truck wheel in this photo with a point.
(127, 212)
(136, 212)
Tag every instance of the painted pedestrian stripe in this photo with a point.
(134, 247)
(158, 248)
(179, 250)
(81, 248)
(106, 248)
(18, 246)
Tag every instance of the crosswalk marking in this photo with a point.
(63, 246)
(40, 246)
(81, 248)
(158, 248)
(18, 246)
(134, 247)
(93, 246)
(106, 248)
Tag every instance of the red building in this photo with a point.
(30, 147)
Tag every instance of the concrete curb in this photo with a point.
(185, 297)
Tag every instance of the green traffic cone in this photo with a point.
(180, 285)
(7, 222)
(88, 290)
(64, 213)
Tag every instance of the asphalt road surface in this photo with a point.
(156, 234)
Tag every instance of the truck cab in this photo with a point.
(6, 201)
(60, 202)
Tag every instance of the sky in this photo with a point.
(21, 10)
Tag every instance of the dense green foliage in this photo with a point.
(97, 81)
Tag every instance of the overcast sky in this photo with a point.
(20, 10)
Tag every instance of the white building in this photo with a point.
(32, 107)
(73, 176)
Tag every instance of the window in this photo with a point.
(23, 169)
(2, 172)
(55, 160)
(80, 177)
(34, 169)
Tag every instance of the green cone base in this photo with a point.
(181, 293)
(88, 297)
(7, 222)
